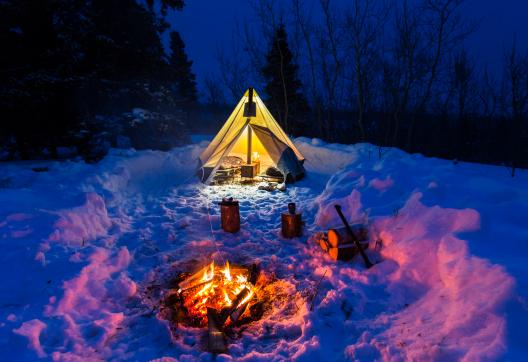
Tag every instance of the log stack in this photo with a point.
(339, 244)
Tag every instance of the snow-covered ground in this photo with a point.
(82, 243)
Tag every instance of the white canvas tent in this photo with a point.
(251, 132)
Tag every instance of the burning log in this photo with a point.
(227, 289)
(197, 279)
(237, 308)
(240, 304)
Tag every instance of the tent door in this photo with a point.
(227, 151)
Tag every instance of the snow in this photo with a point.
(82, 243)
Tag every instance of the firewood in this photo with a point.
(322, 239)
(345, 252)
(216, 342)
(192, 287)
(237, 308)
(194, 280)
(340, 236)
(253, 274)
(368, 263)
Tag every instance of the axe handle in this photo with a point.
(368, 264)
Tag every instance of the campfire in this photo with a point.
(221, 297)
(225, 290)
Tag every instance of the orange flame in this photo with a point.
(214, 287)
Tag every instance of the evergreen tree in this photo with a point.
(37, 76)
(287, 102)
(183, 76)
(67, 63)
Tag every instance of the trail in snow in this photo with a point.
(92, 239)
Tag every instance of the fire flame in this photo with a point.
(215, 287)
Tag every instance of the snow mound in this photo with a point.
(89, 307)
(325, 158)
(144, 171)
(32, 330)
(451, 300)
(82, 223)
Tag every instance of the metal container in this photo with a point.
(291, 222)
(230, 215)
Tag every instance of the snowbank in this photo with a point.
(325, 158)
(453, 301)
(90, 306)
(32, 330)
(83, 223)
(145, 171)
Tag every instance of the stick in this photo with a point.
(317, 290)
(368, 264)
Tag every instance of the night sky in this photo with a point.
(207, 25)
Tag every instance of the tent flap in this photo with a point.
(282, 155)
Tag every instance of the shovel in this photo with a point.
(368, 264)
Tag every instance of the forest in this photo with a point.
(80, 77)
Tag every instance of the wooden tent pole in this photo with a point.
(250, 131)
(250, 134)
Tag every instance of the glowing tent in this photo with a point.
(251, 135)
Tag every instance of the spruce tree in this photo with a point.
(68, 63)
(183, 76)
(286, 101)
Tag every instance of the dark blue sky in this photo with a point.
(207, 25)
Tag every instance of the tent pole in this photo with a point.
(250, 131)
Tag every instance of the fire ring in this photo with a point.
(218, 296)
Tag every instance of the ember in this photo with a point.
(227, 289)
